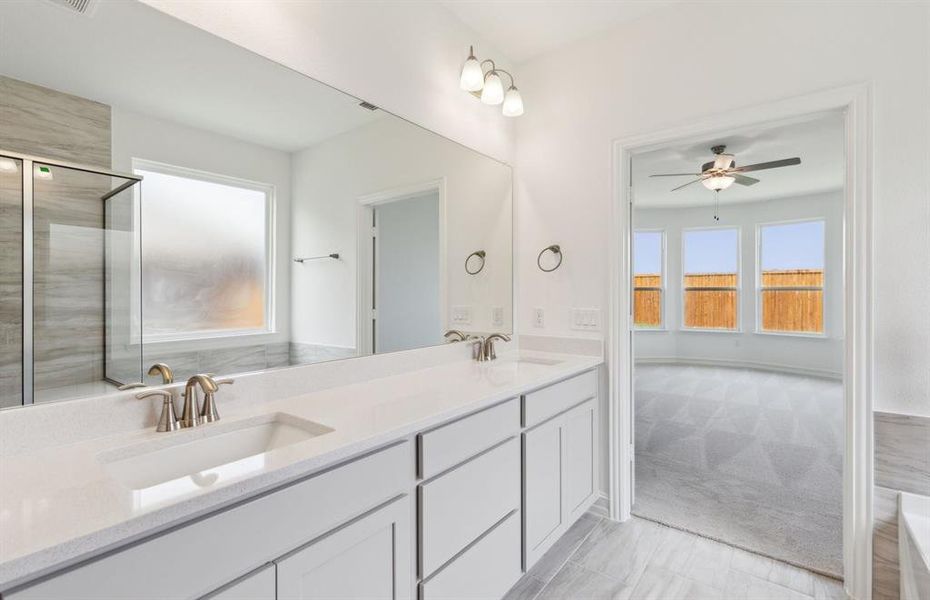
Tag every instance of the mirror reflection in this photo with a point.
(172, 198)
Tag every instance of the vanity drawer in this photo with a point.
(200, 557)
(558, 397)
(448, 445)
(459, 506)
(487, 570)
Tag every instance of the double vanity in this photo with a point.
(443, 482)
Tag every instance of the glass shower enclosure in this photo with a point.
(70, 280)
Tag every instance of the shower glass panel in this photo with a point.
(86, 283)
(11, 281)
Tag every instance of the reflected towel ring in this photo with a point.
(480, 254)
(555, 249)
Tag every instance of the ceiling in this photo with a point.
(525, 29)
(818, 141)
(133, 57)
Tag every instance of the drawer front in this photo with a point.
(459, 506)
(211, 552)
(486, 571)
(259, 585)
(542, 404)
(448, 445)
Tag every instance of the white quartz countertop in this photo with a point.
(60, 506)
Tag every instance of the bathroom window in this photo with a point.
(711, 278)
(648, 279)
(206, 254)
(791, 265)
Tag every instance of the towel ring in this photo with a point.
(555, 249)
(480, 254)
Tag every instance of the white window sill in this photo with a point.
(656, 329)
(814, 336)
(694, 330)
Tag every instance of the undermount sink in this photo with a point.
(204, 456)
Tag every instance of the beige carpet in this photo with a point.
(751, 458)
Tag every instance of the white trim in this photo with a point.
(270, 192)
(366, 204)
(855, 102)
(739, 364)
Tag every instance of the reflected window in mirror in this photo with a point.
(206, 254)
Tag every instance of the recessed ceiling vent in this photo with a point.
(82, 7)
(367, 105)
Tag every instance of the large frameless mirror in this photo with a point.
(173, 198)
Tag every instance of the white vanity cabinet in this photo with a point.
(261, 584)
(368, 558)
(559, 461)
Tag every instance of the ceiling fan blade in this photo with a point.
(785, 162)
(687, 184)
(743, 180)
(676, 175)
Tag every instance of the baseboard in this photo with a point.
(742, 364)
(600, 507)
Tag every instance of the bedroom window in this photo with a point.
(206, 253)
(711, 278)
(791, 264)
(648, 279)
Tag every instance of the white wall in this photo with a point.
(328, 180)
(652, 74)
(403, 56)
(818, 355)
(141, 136)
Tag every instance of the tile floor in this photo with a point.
(640, 559)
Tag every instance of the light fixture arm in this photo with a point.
(507, 73)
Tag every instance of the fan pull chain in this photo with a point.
(717, 205)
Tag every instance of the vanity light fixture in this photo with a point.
(488, 85)
(7, 165)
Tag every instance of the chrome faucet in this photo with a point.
(454, 335)
(484, 347)
(168, 421)
(190, 414)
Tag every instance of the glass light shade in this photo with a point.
(472, 76)
(513, 103)
(8, 165)
(493, 92)
(718, 182)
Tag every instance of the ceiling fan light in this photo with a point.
(472, 79)
(513, 103)
(493, 91)
(718, 182)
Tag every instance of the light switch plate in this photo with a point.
(586, 319)
(461, 315)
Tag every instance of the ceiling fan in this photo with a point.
(722, 172)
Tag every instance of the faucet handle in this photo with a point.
(168, 421)
(228, 381)
(208, 412)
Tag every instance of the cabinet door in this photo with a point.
(578, 459)
(368, 558)
(257, 585)
(542, 494)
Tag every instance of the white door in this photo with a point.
(370, 558)
(406, 286)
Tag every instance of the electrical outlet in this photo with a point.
(539, 317)
(586, 319)
(497, 316)
(461, 315)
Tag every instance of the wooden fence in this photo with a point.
(793, 310)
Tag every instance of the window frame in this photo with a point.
(759, 288)
(270, 192)
(737, 288)
(663, 280)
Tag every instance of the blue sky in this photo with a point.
(793, 246)
(788, 246)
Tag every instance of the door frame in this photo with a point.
(364, 288)
(855, 101)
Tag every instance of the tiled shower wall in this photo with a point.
(902, 463)
(69, 275)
